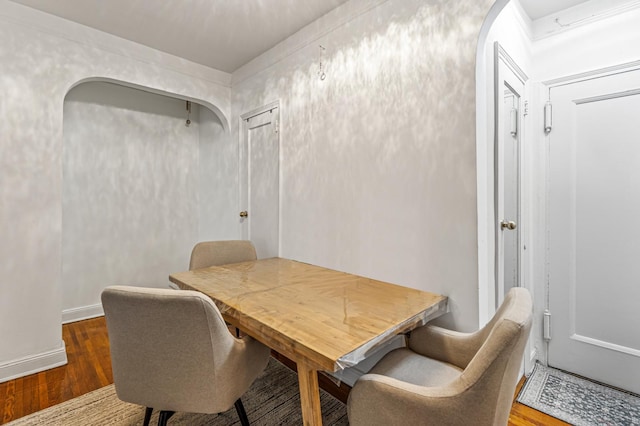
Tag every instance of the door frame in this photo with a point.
(502, 57)
(543, 233)
(525, 190)
(243, 165)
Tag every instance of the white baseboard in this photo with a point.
(82, 313)
(33, 363)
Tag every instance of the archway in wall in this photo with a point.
(501, 28)
(140, 187)
(484, 165)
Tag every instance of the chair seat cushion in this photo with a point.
(405, 365)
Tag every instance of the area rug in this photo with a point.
(578, 401)
(273, 399)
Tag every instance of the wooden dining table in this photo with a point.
(322, 319)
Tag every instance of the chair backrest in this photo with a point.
(168, 348)
(493, 372)
(215, 253)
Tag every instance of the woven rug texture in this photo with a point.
(578, 401)
(273, 399)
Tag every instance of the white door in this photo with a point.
(594, 235)
(509, 113)
(260, 179)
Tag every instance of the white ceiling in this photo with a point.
(538, 8)
(221, 34)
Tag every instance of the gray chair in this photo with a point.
(171, 351)
(445, 377)
(216, 253)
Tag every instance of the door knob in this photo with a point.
(244, 214)
(510, 225)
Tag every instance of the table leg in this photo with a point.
(309, 395)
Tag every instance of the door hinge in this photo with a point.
(526, 108)
(548, 115)
(276, 125)
(546, 325)
(513, 122)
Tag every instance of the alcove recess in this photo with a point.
(140, 187)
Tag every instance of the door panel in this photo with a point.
(594, 238)
(509, 100)
(510, 194)
(260, 181)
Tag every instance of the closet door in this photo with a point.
(594, 235)
(260, 180)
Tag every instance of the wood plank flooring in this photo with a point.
(89, 368)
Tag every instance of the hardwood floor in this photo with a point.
(89, 368)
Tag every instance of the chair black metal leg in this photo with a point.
(147, 416)
(164, 417)
(244, 420)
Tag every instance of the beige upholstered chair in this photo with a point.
(446, 377)
(171, 351)
(216, 253)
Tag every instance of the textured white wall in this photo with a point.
(217, 182)
(41, 58)
(378, 160)
(379, 173)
